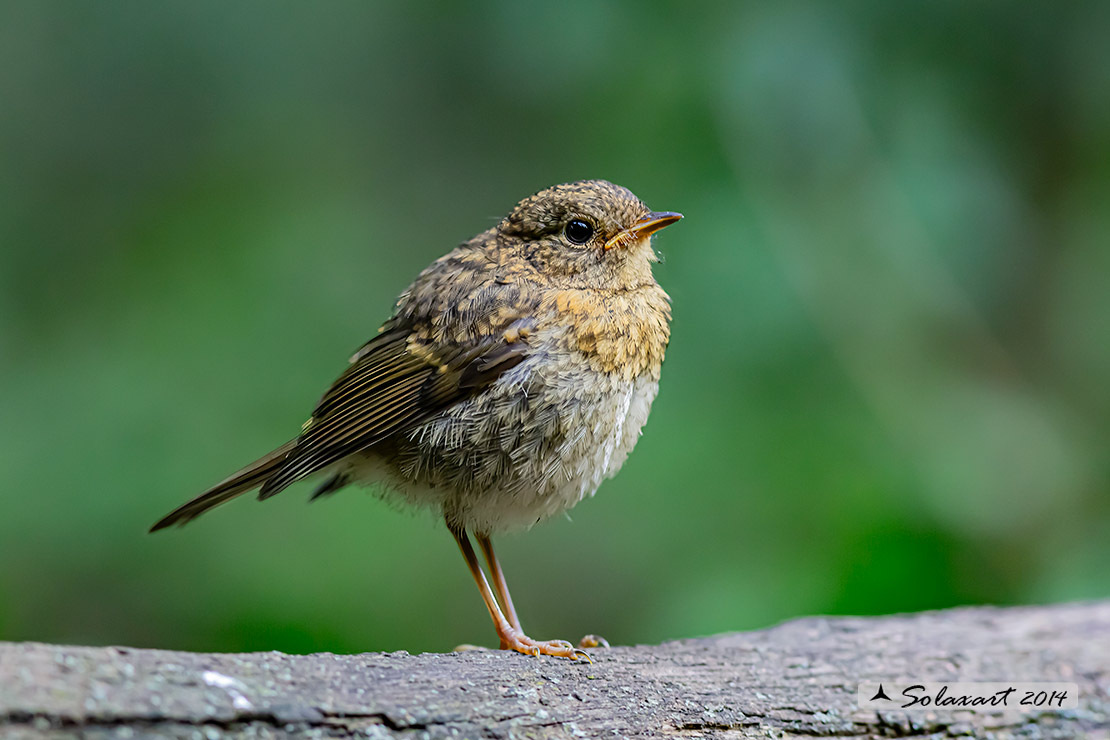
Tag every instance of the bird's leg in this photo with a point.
(501, 587)
(499, 584)
(495, 614)
(512, 638)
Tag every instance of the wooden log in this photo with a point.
(798, 679)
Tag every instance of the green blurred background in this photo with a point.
(886, 389)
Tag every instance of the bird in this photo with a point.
(514, 375)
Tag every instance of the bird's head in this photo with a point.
(586, 234)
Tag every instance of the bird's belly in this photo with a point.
(523, 450)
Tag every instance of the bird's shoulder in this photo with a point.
(470, 295)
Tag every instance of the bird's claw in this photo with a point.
(593, 641)
(522, 643)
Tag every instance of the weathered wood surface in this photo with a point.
(797, 679)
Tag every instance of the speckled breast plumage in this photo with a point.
(547, 432)
(541, 439)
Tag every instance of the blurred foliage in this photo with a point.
(886, 390)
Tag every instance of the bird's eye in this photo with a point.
(578, 231)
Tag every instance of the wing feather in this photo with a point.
(388, 389)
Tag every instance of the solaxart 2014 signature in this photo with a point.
(973, 696)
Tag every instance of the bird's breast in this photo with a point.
(622, 333)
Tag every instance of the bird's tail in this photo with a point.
(252, 476)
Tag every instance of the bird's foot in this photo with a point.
(522, 643)
(593, 641)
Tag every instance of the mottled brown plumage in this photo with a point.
(514, 376)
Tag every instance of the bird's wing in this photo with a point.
(395, 381)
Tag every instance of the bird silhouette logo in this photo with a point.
(880, 694)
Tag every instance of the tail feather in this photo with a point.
(252, 476)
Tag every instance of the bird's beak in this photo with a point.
(646, 226)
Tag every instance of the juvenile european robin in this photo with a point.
(514, 377)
